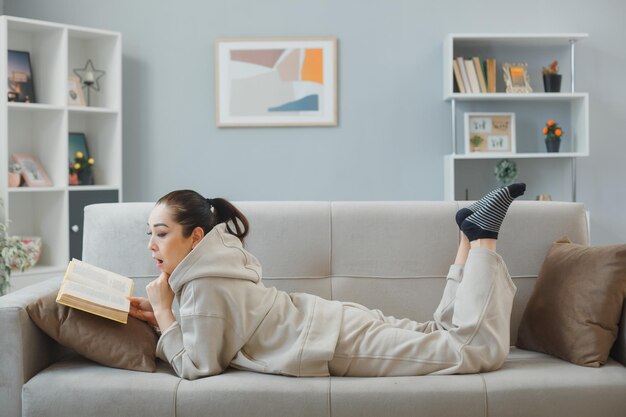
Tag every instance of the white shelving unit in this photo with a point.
(569, 108)
(41, 129)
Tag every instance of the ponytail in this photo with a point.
(229, 214)
(191, 210)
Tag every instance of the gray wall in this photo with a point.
(394, 126)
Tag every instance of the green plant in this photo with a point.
(552, 130)
(552, 69)
(505, 172)
(476, 140)
(13, 256)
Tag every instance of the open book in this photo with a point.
(96, 291)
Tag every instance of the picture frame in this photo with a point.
(492, 133)
(75, 96)
(76, 141)
(21, 87)
(32, 171)
(286, 81)
(516, 78)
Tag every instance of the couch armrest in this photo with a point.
(25, 350)
(619, 347)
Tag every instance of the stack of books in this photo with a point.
(474, 75)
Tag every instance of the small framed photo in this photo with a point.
(516, 78)
(77, 142)
(490, 132)
(21, 87)
(276, 82)
(75, 95)
(32, 171)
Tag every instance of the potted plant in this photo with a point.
(81, 172)
(552, 78)
(553, 134)
(476, 141)
(14, 255)
(505, 172)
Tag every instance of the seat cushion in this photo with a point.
(529, 384)
(79, 387)
(535, 384)
(432, 396)
(240, 393)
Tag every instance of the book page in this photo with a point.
(116, 301)
(93, 276)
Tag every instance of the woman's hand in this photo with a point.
(161, 299)
(140, 308)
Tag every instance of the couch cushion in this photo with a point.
(530, 228)
(381, 258)
(432, 396)
(128, 346)
(536, 384)
(126, 225)
(415, 298)
(393, 239)
(290, 239)
(239, 393)
(79, 387)
(576, 304)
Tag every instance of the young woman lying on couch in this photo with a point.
(229, 318)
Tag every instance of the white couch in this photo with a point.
(387, 255)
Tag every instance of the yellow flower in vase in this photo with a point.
(81, 169)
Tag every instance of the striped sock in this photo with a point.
(485, 222)
(515, 190)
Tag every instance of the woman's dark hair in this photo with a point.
(191, 210)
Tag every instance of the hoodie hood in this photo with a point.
(218, 255)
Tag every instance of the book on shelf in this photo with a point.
(466, 83)
(457, 76)
(471, 74)
(479, 73)
(96, 291)
(490, 64)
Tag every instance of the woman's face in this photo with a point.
(167, 243)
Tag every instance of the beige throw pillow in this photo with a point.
(575, 308)
(128, 346)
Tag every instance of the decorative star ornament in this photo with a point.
(89, 76)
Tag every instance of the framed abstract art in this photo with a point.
(276, 82)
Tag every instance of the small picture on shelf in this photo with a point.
(75, 95)
(80, 161)
(32, 171)
(490, 133)
(516, 78)
(21, 87)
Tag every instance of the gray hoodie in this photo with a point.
(228, 317)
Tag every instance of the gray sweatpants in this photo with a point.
(469, 333)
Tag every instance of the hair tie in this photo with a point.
(210, 201)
